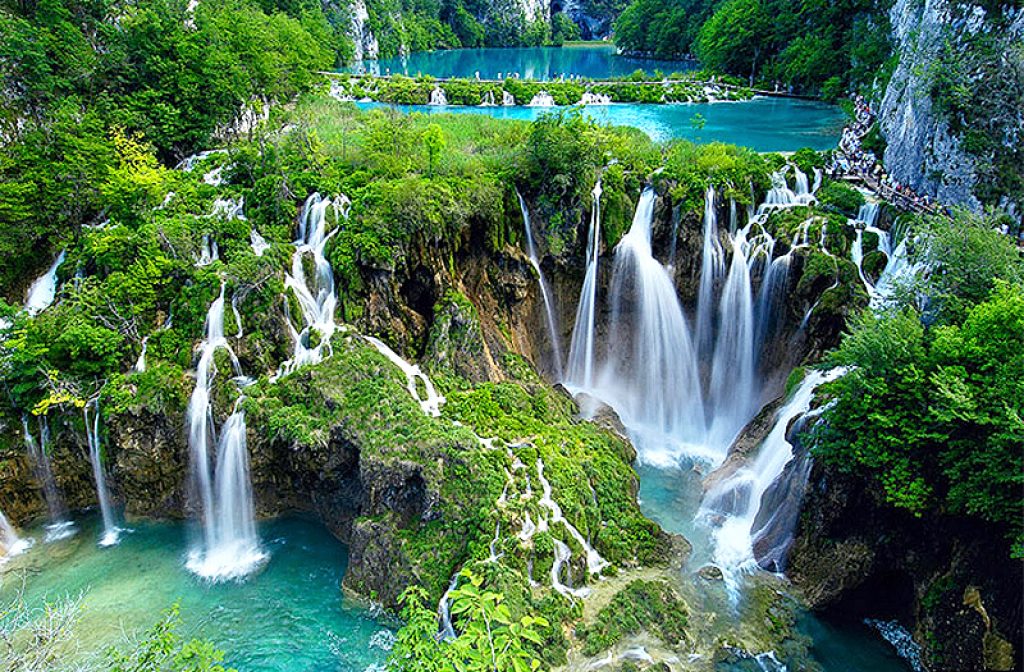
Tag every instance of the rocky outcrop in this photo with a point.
(365, 45)
(950, 581)
(925, 148)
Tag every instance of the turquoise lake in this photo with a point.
(289, 617)
(763, 124)
(593, 61)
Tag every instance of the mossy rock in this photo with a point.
(651, 606)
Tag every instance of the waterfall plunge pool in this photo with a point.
(289, 617)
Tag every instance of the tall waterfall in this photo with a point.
(92, 432)
(682, 392)
(316, 296)
(733, 391)
(10, 543)
(712, 268)
(581, 350)
(552, 322)
(230, 546)
(650, 377)
(735, 501)
(44, 289)
(39, 455)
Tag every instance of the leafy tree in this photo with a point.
(732, 40)
(489, 637)
(433, 142)
(931, 408)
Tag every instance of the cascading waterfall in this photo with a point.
(581, 350)
(43, 290)
(10, 543)
(230, 546)
(258, 243)
(542, 99)
(733, 393)
(438, 97)
(712, 268)
(59, 527)
(683, 393)
(507, 99)
(650, 377)
(140, 363)
(111, 533)
(316, 296)
(549, 313)
(430, 401)
(488, 99)
(732, 504)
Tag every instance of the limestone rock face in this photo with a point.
(365, 42)
(944, 578)
(150, 463)
(923, 150)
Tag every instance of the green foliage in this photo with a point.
(642, 605)
(816, 46)
(162, 649)
(693, 168)
(966, 257)
(931, 413)
(839, 197)
(489, 637)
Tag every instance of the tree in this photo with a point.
(734, 38)
(433, 141)
(489, 639)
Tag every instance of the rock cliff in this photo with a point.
(951, 113)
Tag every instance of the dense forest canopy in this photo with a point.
(816, 46)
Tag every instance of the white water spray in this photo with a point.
(43, 290)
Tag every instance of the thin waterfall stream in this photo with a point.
(545, 291)
(111, 533)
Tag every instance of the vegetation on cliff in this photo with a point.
(930, 411)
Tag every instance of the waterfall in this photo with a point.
(209, 252)
(258, 243)
(10, 543)
(59, 526)
(140, 363)
(581, 350)
(589, 98)
(316, 295)
(230, 547)
(438, 97)
(111, 533)
(431, 401)
(507, 99)
(444, 614)
(733, 504)
(542, 99)
(817, 180)
(712, 268)
(802, 189)
(488, 99)
(44, 289)
(552, 324)
(733, 393)
(651, 378)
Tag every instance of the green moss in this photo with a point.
(651, 606)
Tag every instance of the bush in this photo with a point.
(840, 198)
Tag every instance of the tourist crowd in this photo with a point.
(853, 159)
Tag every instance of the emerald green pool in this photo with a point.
(290, 617)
